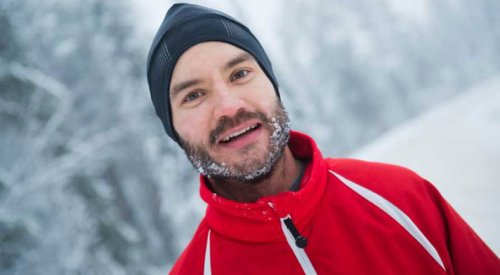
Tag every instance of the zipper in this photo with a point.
(297, 243)
(300, 241)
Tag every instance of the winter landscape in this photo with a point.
(90, 183)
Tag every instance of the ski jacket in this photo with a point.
(349, 217)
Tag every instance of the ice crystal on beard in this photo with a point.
(278, 123)
(209, 167)
(279, 138)
(280, 134)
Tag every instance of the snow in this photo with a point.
(455, 146)
(416, 11)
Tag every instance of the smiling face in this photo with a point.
(226, 113)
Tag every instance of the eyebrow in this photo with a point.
(240, 58)
(183, 85)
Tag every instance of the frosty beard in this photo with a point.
(251, 170)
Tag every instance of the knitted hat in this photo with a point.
(184, 26)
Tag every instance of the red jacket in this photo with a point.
(357, 218)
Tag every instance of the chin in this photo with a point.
(254, 171)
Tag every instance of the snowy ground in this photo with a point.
(456, 147)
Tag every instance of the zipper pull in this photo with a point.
(300, 241)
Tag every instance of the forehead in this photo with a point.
(205, 55)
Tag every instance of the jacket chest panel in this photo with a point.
(362, 239)
(232, 257)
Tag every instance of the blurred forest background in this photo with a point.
(90, 183)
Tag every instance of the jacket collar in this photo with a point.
(260, 221)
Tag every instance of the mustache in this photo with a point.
(241, 116)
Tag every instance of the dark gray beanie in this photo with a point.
(184, 26)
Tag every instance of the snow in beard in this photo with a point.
(279, 138)
(280, 133)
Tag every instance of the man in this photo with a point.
(275, 205)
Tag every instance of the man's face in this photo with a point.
(226, 113)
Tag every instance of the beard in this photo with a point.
(251, 169)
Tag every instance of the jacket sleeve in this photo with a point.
(468, 253)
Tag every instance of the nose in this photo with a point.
(228, 102)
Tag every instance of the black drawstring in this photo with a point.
(300, 240)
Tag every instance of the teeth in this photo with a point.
(239, 133)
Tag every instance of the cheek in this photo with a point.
(192, 125)
(265, 97)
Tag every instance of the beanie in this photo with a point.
(184, 26)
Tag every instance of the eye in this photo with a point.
(239, 74)
(192, 96)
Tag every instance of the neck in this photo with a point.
(287, 169)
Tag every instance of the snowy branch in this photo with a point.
(60, 168)
(54, 88)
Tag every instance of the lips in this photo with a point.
(237, 134)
